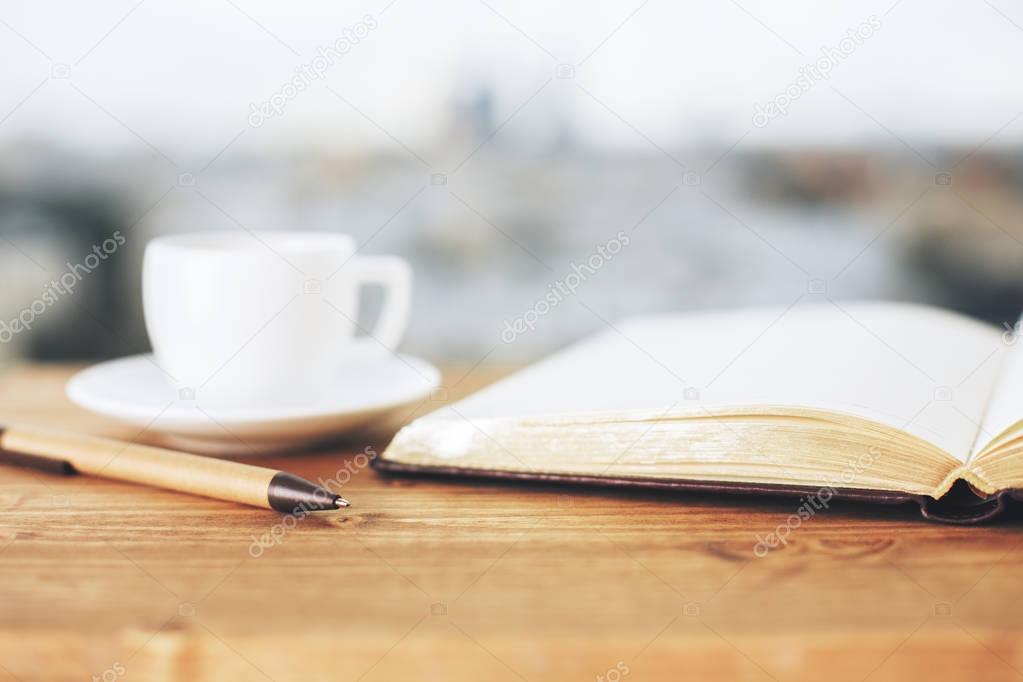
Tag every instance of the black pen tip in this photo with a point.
(288, 493)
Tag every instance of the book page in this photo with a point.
(921, 370)
(1005, 408)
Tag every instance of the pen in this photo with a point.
(206, 476)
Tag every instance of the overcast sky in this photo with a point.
(184, 75)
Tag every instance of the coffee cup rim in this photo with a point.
(236, 242)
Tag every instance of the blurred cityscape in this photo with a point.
(755, 229)
(498, 170)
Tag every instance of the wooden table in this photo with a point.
(447, 580)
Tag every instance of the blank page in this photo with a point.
(1005, 407)
(922, 370)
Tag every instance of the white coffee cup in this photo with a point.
(265, 318)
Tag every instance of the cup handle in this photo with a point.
(395, 276)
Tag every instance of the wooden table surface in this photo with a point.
(448, 580)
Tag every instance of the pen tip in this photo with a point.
(341, 502)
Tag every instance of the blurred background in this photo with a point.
(751, 152)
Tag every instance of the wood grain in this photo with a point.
(448, 580)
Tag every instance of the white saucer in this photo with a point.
(367, 395)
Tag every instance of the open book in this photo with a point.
(874, 401)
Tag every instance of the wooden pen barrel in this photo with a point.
(206, 476)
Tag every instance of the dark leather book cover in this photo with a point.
(961, 505)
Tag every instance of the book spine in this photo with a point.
(964, 508)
